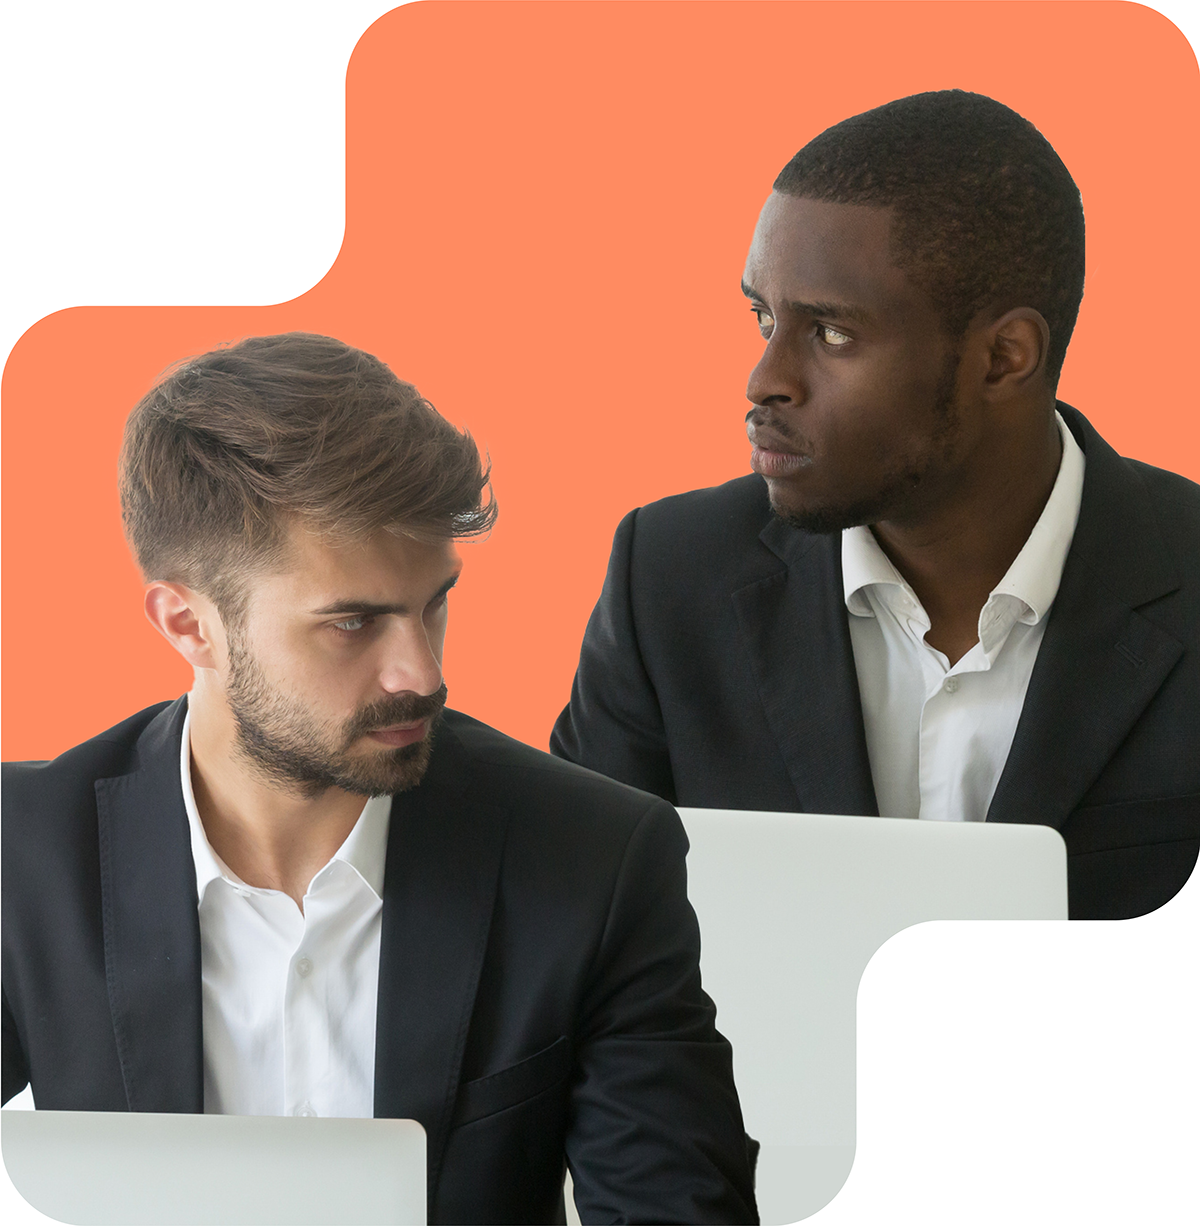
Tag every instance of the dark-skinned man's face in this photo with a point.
(855, 416)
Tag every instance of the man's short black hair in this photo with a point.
(985, 212)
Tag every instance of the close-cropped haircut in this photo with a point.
(232, 447)
(984, 211)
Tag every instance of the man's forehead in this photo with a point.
(819, 250)
(795, 224)
(325, 567)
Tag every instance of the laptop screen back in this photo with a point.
(791, 908)
(98, 1167)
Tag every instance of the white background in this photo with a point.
(1008, 1073)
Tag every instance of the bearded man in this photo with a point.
(306, 887)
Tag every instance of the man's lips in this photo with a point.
(400, 734)
(771, 455)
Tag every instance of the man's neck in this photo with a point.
(955, 555)
(271, 837)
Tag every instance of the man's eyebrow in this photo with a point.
(825, 310)
(367, 608)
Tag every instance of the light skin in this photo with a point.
(335, 631)
(865, 412)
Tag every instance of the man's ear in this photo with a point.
(1017, 343)
(188, 621)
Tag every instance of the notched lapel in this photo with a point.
(1102, 660)
(151, 925)
(445, 846)
(793, 624)
(1096, 672)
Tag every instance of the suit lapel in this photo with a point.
(151, 926)
(793, 624)
(1101, 660)
(445, 846)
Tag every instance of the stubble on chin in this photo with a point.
(899, 488)
(310, 772)
(277, 739)
(826, 520)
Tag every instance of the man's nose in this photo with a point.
(779, 377)
(410, 660)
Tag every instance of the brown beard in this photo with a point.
(283, 743)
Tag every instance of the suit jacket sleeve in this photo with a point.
(613, 723)
(656, 1131)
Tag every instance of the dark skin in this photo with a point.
(865, 412)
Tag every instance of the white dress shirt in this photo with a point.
(938, 736)
(288, 998)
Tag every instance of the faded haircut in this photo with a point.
(984, 211)
(231, 447)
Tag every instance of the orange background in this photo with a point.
(548, 207)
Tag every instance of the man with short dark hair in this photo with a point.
(942, 596)
(306, 887)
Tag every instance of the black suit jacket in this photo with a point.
(717, 671)
(539, 990)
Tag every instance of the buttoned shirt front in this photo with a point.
(938, 735)
(289, 998)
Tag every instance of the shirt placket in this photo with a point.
(933, 773)
(303, 1021)
(944, 740)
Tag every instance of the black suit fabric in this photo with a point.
(717, 671)
(539, 988)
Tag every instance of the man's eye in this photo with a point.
(351, 624)
(831, 336)
(765, 322)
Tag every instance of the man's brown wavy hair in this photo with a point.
(231, 448)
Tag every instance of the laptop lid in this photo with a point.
(100, 1167)
(791, 908)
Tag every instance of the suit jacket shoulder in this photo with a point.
(716, 669)
(711, 532)
(714, 510)
(50, 813)
(1176, 502)
(548, 788)
(30, 786)
(61, 946)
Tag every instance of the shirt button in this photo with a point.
(305, 1109)
(951, 685)
(304, 968)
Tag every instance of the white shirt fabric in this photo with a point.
(937, 736)
(289, 999)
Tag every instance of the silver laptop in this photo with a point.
(791, 908)
(100, 1167)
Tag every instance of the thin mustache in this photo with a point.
(758, 416)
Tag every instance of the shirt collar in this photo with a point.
(865, 565)
(208, 866)
(1035, 573)
(364, 850)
